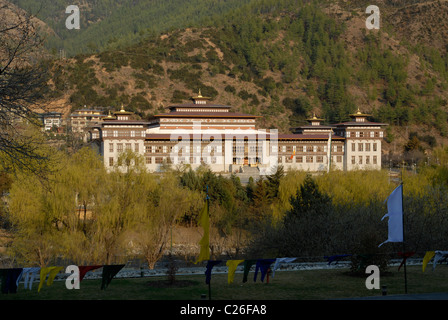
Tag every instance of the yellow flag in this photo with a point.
(428, 256)
(204, 243)
(232, 264)
(52, 271)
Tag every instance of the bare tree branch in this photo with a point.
(23, 81)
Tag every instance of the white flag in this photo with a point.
(395, 214)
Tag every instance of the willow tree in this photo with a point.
(120, 203)
(44, 212)
(169, 201)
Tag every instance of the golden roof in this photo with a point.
(199, 96)
(314, 118)
(359, 114)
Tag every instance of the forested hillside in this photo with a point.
(280, 59)
(109, 24)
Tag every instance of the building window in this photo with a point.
(374, 160)
(111, 162)
(360, 159)
(357, 134)
(299, 159)
(136, 147)
(338, 158)
(353, 160)
(348, 134)
(132, 133)
(119, 147)
(367, 146)
(319, 159)
(353, 147)
(111, 147)
(374, 147)
(105, 133)
(372, 134)
(148, 160)
(360, 147)
(381, 134)
(128, 146)
(115, 133)
(309, 159)
(367, 159)
(159, 160)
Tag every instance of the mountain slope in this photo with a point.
(283, 63)
(109, 24)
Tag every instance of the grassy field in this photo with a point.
(286, 285)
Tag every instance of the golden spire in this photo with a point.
(199, 99)
(359, 116)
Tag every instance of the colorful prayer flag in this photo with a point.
(109, 272)
(292, 156)
(232, 264)
(439, 257)
(204, 243)
(428, 256)
(208, 271)
(51, 272)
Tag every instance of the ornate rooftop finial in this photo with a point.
(315, 121)
(359, 116)
(199, 99)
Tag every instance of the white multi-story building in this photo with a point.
(83, 118)
(51, 120)
(203, 132)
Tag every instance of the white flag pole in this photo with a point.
(329, 151)
(404, 252)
